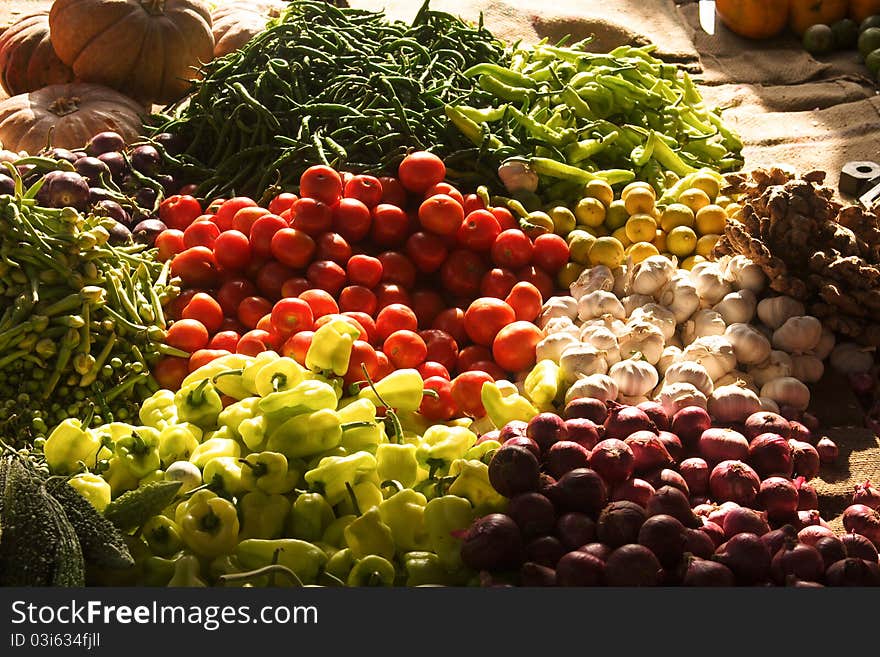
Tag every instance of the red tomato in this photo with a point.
(539, 278)
(441, 214)
(271, 279)
(470, 355)
(293, 247)
(205, 356)
(426, 251)
(362, 332)
(226, 212)
(292, 315)
(419, 170)
(526, 301)
(179, 211)
(232, 292)
(232, 324)
(352, 219)
(174, 310)
(451, 320)
(362, 354)
(252, 309)
(232, 250)
(388, 293)
(432, 368)
(263, 231)
(471, 203)
(245, 218)
(321, 302)
(326, 275)
(311, 216)
(187, 334)
(550, 253)
(364, 270)
(297, 346)
(512, 249)
(405, 349)
(427, 304)
(225, 340)
(170, 243)
(505, 218)
(384, 368)
(392, 191)
(358, 298)
(514, 347)
(491, 368)
(462, 272)
(214, 205)
(466, 392)
(204, 308)
(333, 246)
(397, 268)
(196, 267)
(321, 183)
(265, 324)
(200, 233)
(442, 407)
(497, 283)
(478, 230)
(442, 347)
(364, 188)
(395, 317)
(366, 323)
(170, 372)
(390, 225)
(485, 317)
(282, 202)
(447, 189)
(293, 287)
(254, 343)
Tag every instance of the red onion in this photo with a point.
(702, 572)
(546, 429)
(533, 574)
(587, 408)
(828, 450)
(580, 569)
(545, 550)
(811, 422)
(597, 550)
(613, 460)
(747, 556)
(713, 531)
(800, 431)
(565, 456)
(533, 513)
(654, 410)
(672, 444)
(514, 470)
(716, 445)
(734, 481)
(690, 423)
(766, 422)
(697, 500)
(695, 471)
(719, 513)
(790, 412)
(648, 452)
(699, 543)
(633, 565)
(808, 498)
(853, 572)
(665, 537)
(770, 454)
(493, 542)
(775, 538)
(862, 383)
(619, 523)
(513, 429)
(672, 502)
(832, 549)
(667, 477)
(805, 459)
(742, 520)
(633, 490)
(526, 443)
(583, 432)
(580, 490)
(802, 561)
(778, 496)
(810, 517)
(575, 530)
(703, 509)
(623, 421)
(858, 546)
(863, 520)
(812, 533)
(866, 494)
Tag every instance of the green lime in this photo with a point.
(846, 34)
(818, 40)
(872, 61)
(870, 21)
(869, 41)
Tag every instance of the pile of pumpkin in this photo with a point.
(89, 63)
(760, 19)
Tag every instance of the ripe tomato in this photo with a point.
(491, 368)
(362, 354)
(442, 347)
(470, 355)
(174, 310)
(311, 216)
(271, 279)
(427, 304)
(297, 346)
(512, 249)
(170, 243)
(232, 324)
(392, 191)
(462, 272)
(419, 170)
(244, 219)
(505, 218)
(432, 368)
(223, 216)
(179, 211)
(384, 368)
(441, 214)
(232, 250)
(225, 340)
(471, 203)
(322, 183)
(321, 302)
(526, 301)
(170, 372)
(364, 188)
(282, 202)
(187, 334)
(265, 323)
(426, 251)
(404, 349)
(539, 278)
(293, 287)
(333, 246)
(485, 317)
(442, 407)
(445, 188)
(497, 283)
(362, 332)
(550, 253)
(358, 298)
(196, 267)
(252, 309)
(254, 343)
(478, 231)
(205, 356)
(397, 268)
(352, 219)
(204, 308)
(232, 292)
(293, 247)
(466, 391)
(514, 347)
(292, 315)
(326, 275)
(395, 317)
(364, 270)
(366, 322)
(451, 320)
(200, 233)
(388, 293)
(262, 232)
(390, 225)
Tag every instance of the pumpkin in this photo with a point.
(147, 49)
(806, 13)
(236, 23)
(27, 60)
(859, 10)
(754, 19)
(72, 112)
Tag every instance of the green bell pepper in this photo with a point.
(187, 572)
(502, 409)
(250, 371)
(397, 462)
(330, 350)
(254, 432)
(118, 476)
(333, 472)
(305, 397)
(163, 536)
(423, 568)
(360, 429)
(176, 443)
(441, 445)
(151, 477)
(340, 564)
(401, 390)
(156, 571)
(214, 448)
(310, 515)
(307, 434)
(372, 570)
(445, 517)
(210, 526)
(262, 515)
(542, 384)
(366, 496)
(92, 487)
(268, 472)
(278, 375)
(225, 472)
(404, 514)
(335, 533)
(158, 410)
(368, 535)
(139, 451)
(304, 559)
(472, 482)
(198, 403)
(482, 451)
(68, 445)
(233, 415)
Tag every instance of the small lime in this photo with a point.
(818, 40)
(869, 41)
(870, 21)
(846, 34)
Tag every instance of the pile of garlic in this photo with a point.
(655, 332)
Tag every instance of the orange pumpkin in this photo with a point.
(806, 13)
(236, 23)
(754, 19)
(27, 60)
(859, 10)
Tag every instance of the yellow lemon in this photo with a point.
(599, 189)
(694, 198)
(681, 241)
(733, 209)
(706, 244)
(606, 251)
(569, 274)
(616, 215)
(641, 228)
(639, 201)
(620, 236)
(660, 240)
(563, 219)
(579, 244)
(688, 263)
(676, 215)
(723, 201)
(590, 212)
(707, 183)
(641, 250)
(711, 220)
(639, 184)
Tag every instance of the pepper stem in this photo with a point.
(274, 569)
(354, 499)
(196, 396)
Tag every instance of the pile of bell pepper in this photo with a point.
(290, 477)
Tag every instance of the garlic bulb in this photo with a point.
(671, 354)
(658, 316)
(560, 325)
(806, 368)
(711, 286)
(744, 274)
(632, 401)
(620, 279)
(702, 323)
(643, 338)
(737, 377)
(651, 274)
(798, 335)
(581, 360)
(733, 403)
(851, 358)
(634, 301)
(714, 352)
(552, 346)
(592, 279)
(616, 326)
(777, 365)
(680, 297)
(602, 339)
(676, 396)
(774, 311)
(768, 405)
(634, 378)
(749, 345)
(688, 371)
(737, 307)
(557, 307)
(598, 303)
(597, 386)
(787, 391)
(825, 346)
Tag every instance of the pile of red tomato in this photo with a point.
(432, 278)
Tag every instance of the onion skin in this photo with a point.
(778, 496)
(805, 459)
(852, 572)
(747, 557)
(668, 477)
(866, 494)
(672, 502)
(580, 490)
(699, 543)
(587, 408)
(526, 443)
(492, 543)
(812, 533)
(702, 572)
(690, 423)
(766, 422)
(546, 429)
(771, 454)
(648, 452)
(514, 470)
(533, 574)
(695, 472)
(672, 443)
(713, 531)
(613, 460)
(597, 549)
(717, 444)
(665, 537)
(808, 498)
(859, 547)
(513, 429)
(775, 539)
(575, 530)
(734, 481)
(744, 520)
(583, 432)
(545, 551)
(655, 411)
(533, 513)
(623, 421)
(799, 560)
(579, 568)
(619, 523)
(828, 450)
(800, 431)
(565, 456)
(863, 520)
(810, 517)
(637, 491)
(720, 512)
(832, 550)
(633, 565)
